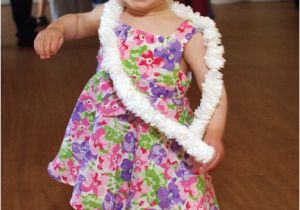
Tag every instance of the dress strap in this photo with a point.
(185, 32)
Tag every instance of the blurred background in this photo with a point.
(261, 40)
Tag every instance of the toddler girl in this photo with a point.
(133, 141)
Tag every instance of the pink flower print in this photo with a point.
(105, 86)
(201, 203)
(148, 62)
(87, 101)
(139, 164)
(77, 206)
(182, 75)
(209, 189)
(80, 127)
(184, 29)
(137, 187)
(189, 186)
(54, 168)
(180, 88)
(141, 37)
(124, 193)
(73, 170)
(99, 59)
(177, 116)
(188, 205)
(144, 127)
(162, 107)
(110, 161)
(91, 183)
(124, 49)
(96, 144)
(143, 85)
(111, 107)
(166, 166)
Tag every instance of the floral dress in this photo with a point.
(113, 158)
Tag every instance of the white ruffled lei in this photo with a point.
(136, 102)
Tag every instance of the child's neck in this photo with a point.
(158, 8)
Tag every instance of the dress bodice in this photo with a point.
(153, 63)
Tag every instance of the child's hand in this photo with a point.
(48, 42)
(218, 156)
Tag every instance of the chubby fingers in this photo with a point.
(211, 164)
(59, 43)
(38, 44)
(47, 44)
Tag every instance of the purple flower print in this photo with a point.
(122, 31)
(213, 207)
(159, 91)
(175, 146)
(78, 108)
(128, 202)
(189, 35)
(79, 149)
(161, 38)
(168, 196)
(88, 157)
(157, 153)
(110, 202)
(127, 117)
(183, 171)
(128, 143)
(127, 166)
(177, 101)
(126, 175)
(118, 206)
(171, 54)
(79, 181)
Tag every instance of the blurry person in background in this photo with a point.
(62, 7)
(96, 2)
(25, 23)
(41, 18)
(202, 6)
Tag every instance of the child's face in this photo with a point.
(143, 4)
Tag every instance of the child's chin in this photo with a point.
(139, 4)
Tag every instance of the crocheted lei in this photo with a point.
(189, 137)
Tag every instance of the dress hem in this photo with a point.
(58, 178)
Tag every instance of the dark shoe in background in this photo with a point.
(27, 41)
(42, 21)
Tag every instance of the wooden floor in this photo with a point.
(260, 171)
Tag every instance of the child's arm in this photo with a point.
(67, 27)
(194, 55)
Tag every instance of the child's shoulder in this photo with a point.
(96, 13)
